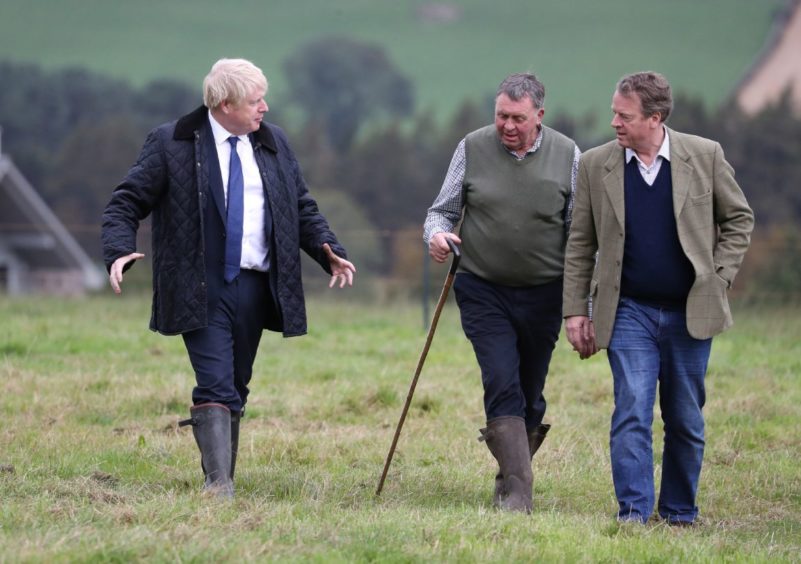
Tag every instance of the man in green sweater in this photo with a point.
(511, 184)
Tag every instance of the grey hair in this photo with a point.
(653, 90)
(520, 85)
(232, 80)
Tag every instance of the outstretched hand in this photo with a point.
(341, 270)
(115, 272)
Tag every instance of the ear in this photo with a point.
(226, 106)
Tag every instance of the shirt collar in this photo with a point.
(664, 150)
(534, 147)
(221, 134)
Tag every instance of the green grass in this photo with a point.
(578, 47)
(94, 468)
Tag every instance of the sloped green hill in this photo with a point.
(451, 50)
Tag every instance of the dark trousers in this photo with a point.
(222, 354)
(513, 331)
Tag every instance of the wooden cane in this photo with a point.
(442, 297)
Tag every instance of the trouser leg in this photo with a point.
(538, 320)
(513, 332)
(222, 354)
(634, 359)
(682, 396)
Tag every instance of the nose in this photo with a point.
(615, 121)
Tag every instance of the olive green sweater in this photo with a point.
(513, 230)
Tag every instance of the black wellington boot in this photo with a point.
(211, 425)
(507, 440)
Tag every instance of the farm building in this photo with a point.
(37, 253)
(777, 68)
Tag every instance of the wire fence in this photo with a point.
(393, 264)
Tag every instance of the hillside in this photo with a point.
(452, 51)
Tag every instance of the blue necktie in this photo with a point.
(236, 206)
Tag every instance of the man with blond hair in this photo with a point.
(230, 213)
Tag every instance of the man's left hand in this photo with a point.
(341, 269)
(581, 334)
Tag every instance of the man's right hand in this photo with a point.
(581, 334)
(115, 273)
(438, 245)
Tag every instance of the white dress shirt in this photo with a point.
(649, 173)
(254, 242)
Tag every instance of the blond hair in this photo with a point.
(232, 80)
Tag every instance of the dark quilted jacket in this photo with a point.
(171, 180)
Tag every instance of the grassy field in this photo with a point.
(94, 468)
(578, 47)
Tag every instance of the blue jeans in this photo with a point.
(513, 331)
(651, 345)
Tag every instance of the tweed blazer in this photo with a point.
(713, 220)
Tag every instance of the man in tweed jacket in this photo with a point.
(659, 231)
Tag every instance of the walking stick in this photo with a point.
(442, 297)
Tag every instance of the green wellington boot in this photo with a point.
(535, 438)
(507, 440)
(211, 425)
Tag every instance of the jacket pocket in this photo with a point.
(701, 200)
(726, 284)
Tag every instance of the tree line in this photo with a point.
(374, 162)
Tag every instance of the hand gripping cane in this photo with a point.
(442, 297)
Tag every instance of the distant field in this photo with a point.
(578, 47)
